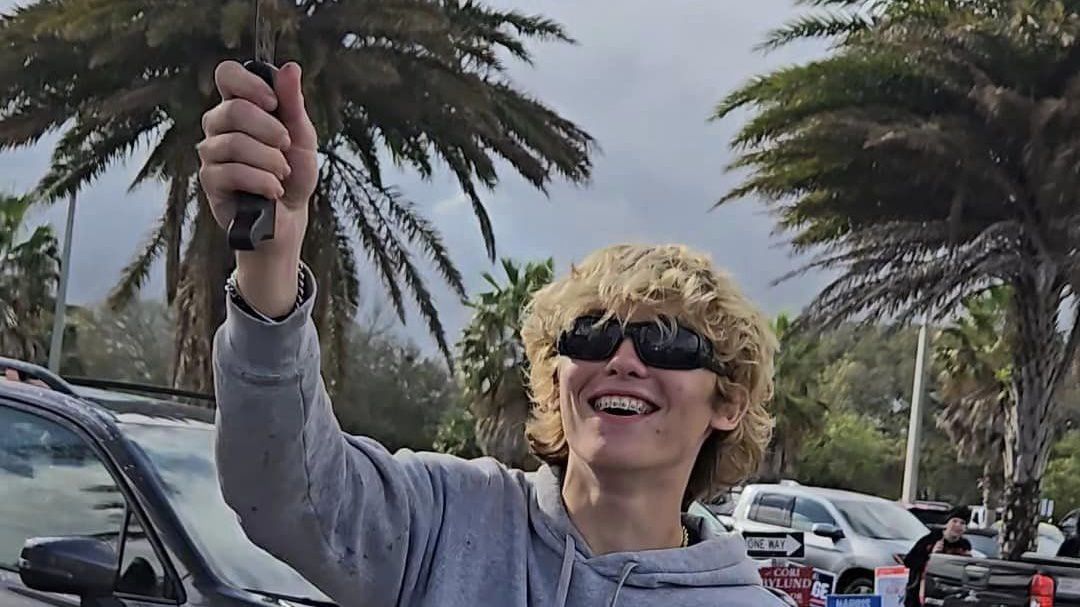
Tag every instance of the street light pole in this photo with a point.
(57, 344)
(914, 438)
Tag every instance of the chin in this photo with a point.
(601, 454)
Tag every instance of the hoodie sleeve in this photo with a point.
(346, 514)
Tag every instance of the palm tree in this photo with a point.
(798, 411)
(29, 271)
(417, 83)
(973, 358)
(930, 156)
(493, 363)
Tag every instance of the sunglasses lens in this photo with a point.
(588, 341)
(661, 347)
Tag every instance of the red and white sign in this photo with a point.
(891, 584)
(796, 580)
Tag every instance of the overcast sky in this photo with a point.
(642, 80)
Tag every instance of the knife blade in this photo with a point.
(256, 215)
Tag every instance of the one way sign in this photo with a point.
(767, 545)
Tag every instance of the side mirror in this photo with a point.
(830, 531)
(82, 566)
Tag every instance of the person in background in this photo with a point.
(947, 540)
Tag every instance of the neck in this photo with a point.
(624, 511)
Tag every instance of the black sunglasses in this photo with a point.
(655, 343)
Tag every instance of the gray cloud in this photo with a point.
(643, 80)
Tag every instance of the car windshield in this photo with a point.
(881, 520)
(986, 544)
(182, 454)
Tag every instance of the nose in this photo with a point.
(625, 361)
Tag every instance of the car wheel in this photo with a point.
(859, 585)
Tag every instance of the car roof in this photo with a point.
(105, 410)
(820, 492)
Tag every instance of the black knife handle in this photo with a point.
(255, 215)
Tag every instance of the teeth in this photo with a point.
(622, 404)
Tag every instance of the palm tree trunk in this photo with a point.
(1028, 428)
(200, 301)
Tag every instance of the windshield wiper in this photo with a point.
(301, 600)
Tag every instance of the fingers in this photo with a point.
(13, 375)
(291, 110)
(234, 81)
(222, 181)
(243, 116)
(244, 149)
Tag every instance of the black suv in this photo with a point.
(112, 499)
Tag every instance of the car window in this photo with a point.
(809, 512)
(55, 486)
(772, 509)
(141, 572)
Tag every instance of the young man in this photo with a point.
(948, 540)
(650, 372)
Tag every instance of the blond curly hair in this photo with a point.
(680, 283)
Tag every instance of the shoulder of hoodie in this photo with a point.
(457, 475)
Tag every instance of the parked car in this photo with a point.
(984, 542)
(1034, 581)
(1068, 523)
(113, 499)
(849, 534)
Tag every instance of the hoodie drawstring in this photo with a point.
(622, 581)
(567, 572)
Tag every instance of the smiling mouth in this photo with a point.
(622, 406)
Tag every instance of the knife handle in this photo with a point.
(255, 215)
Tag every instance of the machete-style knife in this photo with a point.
(255, 214)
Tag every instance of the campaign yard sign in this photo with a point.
(796, 580)
(891, 584)
(824, 584)
(854, 600)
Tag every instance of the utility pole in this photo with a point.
(57, 345)
(914, 438)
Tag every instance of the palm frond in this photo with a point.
(136, 273)
(826, 25)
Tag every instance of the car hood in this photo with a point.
(888, 548)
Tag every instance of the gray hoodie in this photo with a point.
(377, 529)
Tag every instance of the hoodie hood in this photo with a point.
(716, 560)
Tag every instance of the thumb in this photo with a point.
(291, 111)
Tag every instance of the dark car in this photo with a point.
(1033, 581)
(113, 499)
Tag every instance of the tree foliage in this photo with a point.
(973, 360)
(133, 344)
(493, 363)
(420, 84)
(393, 392)
(1063, 474)
(796, 406)
(930, 156)
(871, 459)
(29, 272)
